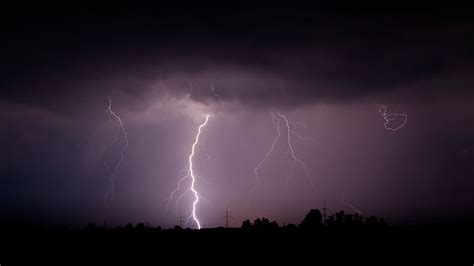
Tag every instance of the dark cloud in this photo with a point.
(259, 57)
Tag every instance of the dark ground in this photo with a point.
(154, 245)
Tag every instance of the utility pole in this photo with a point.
(181, 220)
(227, 217)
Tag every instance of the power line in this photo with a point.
(325, 210)
(181, 220)
(227, 217)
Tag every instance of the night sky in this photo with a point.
(327, 70)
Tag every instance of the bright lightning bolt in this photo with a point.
(290, 132)
(120, 129)
(191, 175)
(390, 117)
(191, 172)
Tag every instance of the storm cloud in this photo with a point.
(258, 57)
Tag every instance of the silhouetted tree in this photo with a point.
(91, 227)
(263, 224)
(371, 221)
(129, 227)
(330, 221)
(312, 220)
(140, 227)
(273, 225)
(291, 227)
(340, 217)
(246, 225)
(382, 222)
(358, 219)
(257, 224)
(348, 219)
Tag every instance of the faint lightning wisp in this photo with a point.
(120, 129)
(191, 175)
(354, 209)
(276, 122)
(178, 187)
(293, 154)
(390, 117)
(187, 98)
(218, 97)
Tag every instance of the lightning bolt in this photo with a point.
(178, 188)
(354, 209)
(191, 175)
(390, 117)
(293, 154)
(290, 133)
(114, 118)
(276, 122)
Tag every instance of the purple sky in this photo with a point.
(329, 70)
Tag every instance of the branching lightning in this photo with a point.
(390, 117)
(276, 122)
(178, 188)
(114, 118)
(293, 154)
(290, 133)
(191, 176)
